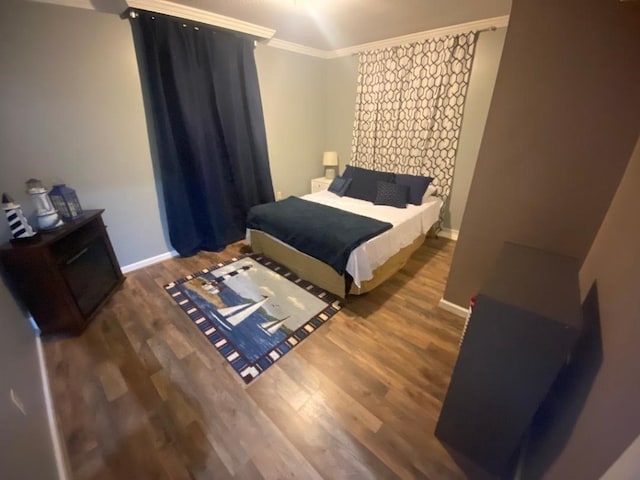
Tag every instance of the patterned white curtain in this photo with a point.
(409, 107)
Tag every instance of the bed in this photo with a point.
(369, 264)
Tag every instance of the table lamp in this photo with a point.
(330, 159)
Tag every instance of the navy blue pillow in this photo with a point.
(348, 171)
(364, 183)
(339, 185)
(392, 194)
(417, 186)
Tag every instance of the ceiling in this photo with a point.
(326, 25)
(335, 24)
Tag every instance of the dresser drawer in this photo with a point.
(72, 245)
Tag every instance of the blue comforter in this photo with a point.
(326, 233)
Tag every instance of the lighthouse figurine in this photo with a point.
(20, 228)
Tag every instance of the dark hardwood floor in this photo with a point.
(142, 394)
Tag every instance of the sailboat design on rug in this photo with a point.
(272, 326)
(230, 316)
(252, 310)
(243, 310)
(233, 316)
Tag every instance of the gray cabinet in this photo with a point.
(523, 326)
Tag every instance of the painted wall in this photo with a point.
(293, 99)
(71, 110)
(476, 109)
(341, 83)
(594, 424)
(611, 410)
(628, 464)
(23, 438)
(340, 87)
(563, 121)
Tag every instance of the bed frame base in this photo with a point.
(322, 274)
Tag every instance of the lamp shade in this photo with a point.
(330, 159)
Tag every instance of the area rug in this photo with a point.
(253, 310)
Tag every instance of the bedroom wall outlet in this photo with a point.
(17, 402)
(278, 195)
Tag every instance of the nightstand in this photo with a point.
(319, 184)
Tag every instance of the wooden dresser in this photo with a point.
(64, 276)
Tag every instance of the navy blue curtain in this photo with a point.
(201, 87)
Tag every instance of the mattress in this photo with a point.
(408, 224)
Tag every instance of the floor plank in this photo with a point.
(142, 393)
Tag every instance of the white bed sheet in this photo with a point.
(408, 224)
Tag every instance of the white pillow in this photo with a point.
(431, 190)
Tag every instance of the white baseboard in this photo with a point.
(58, 452)
(453, 308)
(148, 261)
(449, 233)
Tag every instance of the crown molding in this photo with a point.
(86, 4)
(298, 48)
(497, 22)
(182, 11)
(195, 14)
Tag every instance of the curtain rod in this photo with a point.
(133, 13)
(492, 28)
